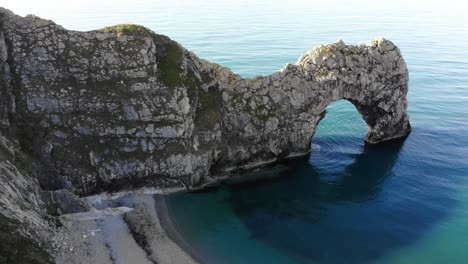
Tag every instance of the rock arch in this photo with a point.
(373, 77)
(124, 106)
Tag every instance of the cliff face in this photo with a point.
(23, 225)
(123, 104)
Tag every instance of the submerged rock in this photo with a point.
(123, 105)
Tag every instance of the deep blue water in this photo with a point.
(405, 202)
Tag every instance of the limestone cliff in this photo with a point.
(123, 104)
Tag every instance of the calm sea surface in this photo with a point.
(346, 203)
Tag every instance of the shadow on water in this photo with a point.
(352, 215)
(364, 177)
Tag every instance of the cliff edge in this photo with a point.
(123, 106)
(126, 103)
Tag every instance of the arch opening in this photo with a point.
(339, 136)
(341, 118)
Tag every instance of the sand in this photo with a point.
(142, 232)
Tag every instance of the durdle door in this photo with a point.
(124, 105)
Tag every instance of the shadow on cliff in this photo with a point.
(354, 215)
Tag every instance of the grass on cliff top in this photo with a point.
(171, 59)
(169, 62)
(127, 29)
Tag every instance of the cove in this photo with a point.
(349, 202)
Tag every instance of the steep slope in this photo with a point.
(123, 104)
(123, 107)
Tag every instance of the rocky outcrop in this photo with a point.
(23, 224)
(123, 105)
(119, 107)
(24, 228)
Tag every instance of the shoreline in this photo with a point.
(143, 223)
(170, 229)
(133, 228)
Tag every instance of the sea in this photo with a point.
(348, 202)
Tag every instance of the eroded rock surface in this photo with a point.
(82, 112)
(124, 104)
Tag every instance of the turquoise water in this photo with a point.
(404, 202)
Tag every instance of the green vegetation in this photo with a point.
(323, 50)
(127, 29)
(209, 107)
(192, 83)
(169, 65)
(170, 74)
